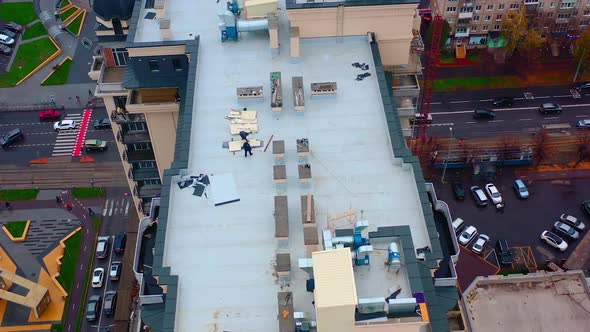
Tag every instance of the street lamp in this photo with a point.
(447, 157)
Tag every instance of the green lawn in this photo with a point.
(70, 261)
(68, 13)
(88, 192)
(60, 76)
(22, 13)
(64, 3)
(34, 30)
(16, 228)
(18, 194)
(28, 57)
(74, 26)
(472, 83)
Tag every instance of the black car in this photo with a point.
(11, 137)
(120, 240)
(582, 86)
(503, 251)
(14, 27)
(484, 114)
(459, 190)
(5, 50)
(553, 108)
(9, 33)
(102, 124)
(93, 308)
(586, 207)
(110, 302)
(503, 101)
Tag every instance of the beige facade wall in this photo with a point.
(392, 25)
(156, 50)
(335, 319)
(162, 129)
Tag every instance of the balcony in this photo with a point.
(110, 80)
(153, 100)
(127, 137)
(121, 116)
(138, 155)
(149, 190)
(405, 86)
(531, 2)
(145, 174)
(95, 68)
(466, 15)
(462, 33)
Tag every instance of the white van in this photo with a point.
(458, 224)
(4, 39)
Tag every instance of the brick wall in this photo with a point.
(107, 53)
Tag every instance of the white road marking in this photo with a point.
(436, 103)
(496, 121)
(61, 154)
(562, 96)
(485, 99)
(74, 114)
(127, 208)
(551, 118)
(582, 116)
(470, 122)
(543, 97)
(461, 102)
(520, 98)
(111, 208)
(524, 119)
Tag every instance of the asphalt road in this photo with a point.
(40, 138)
(454, 110)
(523, 220)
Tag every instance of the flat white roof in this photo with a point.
(224, 255)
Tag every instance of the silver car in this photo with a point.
(566, 230)
(572, 221)
(467, 235)
(480, 243)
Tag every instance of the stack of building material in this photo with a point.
(242, 121)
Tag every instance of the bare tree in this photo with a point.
(508, 146)
(540, 147)
(582, 147)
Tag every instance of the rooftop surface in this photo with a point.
(224, 255)
(534, 302)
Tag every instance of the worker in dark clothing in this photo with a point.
(247, 149)
(244, 135)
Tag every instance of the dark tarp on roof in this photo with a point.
(109, 9)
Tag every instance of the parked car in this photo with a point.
(110, 302)
(11, 137)
(494, 193)
(49, 115)
(8, 33)
(459, 190)
(64, 124)
(553, 240)
(582, 86)
(102, 247)
(505, 256)
(480, 244)
(14, 27)
(479, 196)
(467, 235)
(586, 207)
(102, 124)
(553, 108)
(484, 114)
(120, 240)
(5, 50)
(418, 116)
(503, 101)
(115, 272)
(6, 40)
(458, 225)
(93, 308)
(520, 189)
(97, 277)
(583, 124)
(565, 230)
(572, 221)
(95, 145)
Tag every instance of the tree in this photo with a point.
(509, 148)
(540, 147)
(582, 50)
(514, 28)
(582, 147)
(444, 36)
(531, 44)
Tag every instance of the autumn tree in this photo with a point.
(531, 44)
(582, 51)
(514, 28)
(540, 147)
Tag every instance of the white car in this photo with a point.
(573, 221)
(467, 235)
(4, 39)
(97, 277)
(553, 240)
(493, 193)
(64, 124)
(480, 243)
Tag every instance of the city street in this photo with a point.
(42, 141)
(456, 110)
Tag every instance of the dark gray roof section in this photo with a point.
(133, 23)
(437, 308)
(109, 9)
(292, 4)
(161, 317)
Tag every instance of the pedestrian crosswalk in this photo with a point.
(117, 207)
(66, 139)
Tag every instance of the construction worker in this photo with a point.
(247, 149)
(244, 135)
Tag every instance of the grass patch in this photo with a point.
(96, 222)
(70, 261)
(474, 57)
(82, 310)
(473, 83)
(65, 15)
(88, 192)
(57, 327)
(34, 30)
(16, 228)
(64, 3)
(447, 59)
(28, 57)
(22, 13)
(18, 194)
(74, 26)
(60, 76)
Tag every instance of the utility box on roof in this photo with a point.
(260, 8)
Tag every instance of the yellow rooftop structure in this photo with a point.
(37, 297)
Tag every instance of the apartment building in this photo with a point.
(474, 22)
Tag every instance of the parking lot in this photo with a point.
(523, 220)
